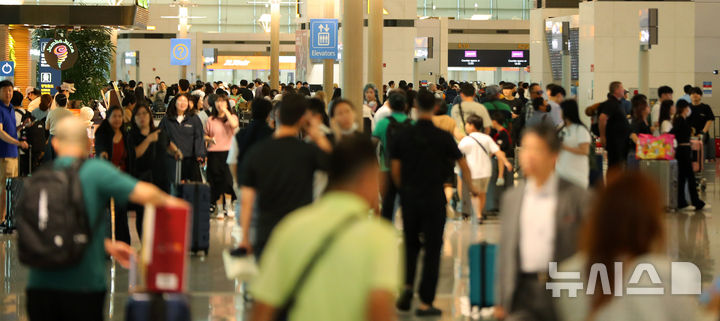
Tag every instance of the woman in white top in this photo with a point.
(626, 229)
(667, 111)
(573, 163)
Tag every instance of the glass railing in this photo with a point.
(475, 9)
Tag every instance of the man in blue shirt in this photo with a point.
(8, 139)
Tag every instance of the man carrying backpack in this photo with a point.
(385, 129)
(67, 261)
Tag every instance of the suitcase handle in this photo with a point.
(178, 171)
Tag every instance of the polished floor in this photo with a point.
(693, 237)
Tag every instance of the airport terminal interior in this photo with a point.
(188, 160)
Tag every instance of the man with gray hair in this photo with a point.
(78, 292)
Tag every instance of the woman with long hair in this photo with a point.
(370, 97)
(683, 131)
(573, 163)
(638, 125)
(148, 146)
(43, 109)
(625, 228)
(111, 144)
(667, 111)
(220, 130)
(185, 130)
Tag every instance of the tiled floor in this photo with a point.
(691, 237)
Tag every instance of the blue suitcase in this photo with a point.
(198, 195)
(482, 274)
(157, 307)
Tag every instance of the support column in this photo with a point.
(352, 56)
(375, 43)
(566, 71)
(4, 41)
(328, 64)
(113, 61)
(275, 44)
(183, 34)
(644, 70)
(442, 42)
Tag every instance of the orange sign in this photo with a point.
(251, 63)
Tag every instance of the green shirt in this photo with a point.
(363, 257)
(100, 181)
(381, 133)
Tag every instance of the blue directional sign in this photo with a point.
(49, 78)
(323, 38)
(180, 52)
(7, 68)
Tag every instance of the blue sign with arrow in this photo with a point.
(323, 38)
(7, 68)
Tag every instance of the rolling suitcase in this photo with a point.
(665, 172)
(198, 195)
(157, 307)
(717, 147)
(13, 191)
(482, 274)
(165, 247)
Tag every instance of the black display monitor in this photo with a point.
(488, 58)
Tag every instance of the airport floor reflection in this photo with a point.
(693, 237)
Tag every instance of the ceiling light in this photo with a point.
(481, 17)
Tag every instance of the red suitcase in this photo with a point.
(717, 147)
(164, 256)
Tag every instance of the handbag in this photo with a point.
(651, 147)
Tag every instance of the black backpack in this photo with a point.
(393, 129)
(36, 136)
(53, 227)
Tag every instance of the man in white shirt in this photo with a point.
(664, 93)
(468, 106)
(33, 95)
(155, 87)
(556, 94)
(537, 227)
(478, 149)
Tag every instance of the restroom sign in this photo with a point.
(323, 39)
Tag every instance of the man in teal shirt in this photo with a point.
(78, 292)
(398, 103)
(357, 274)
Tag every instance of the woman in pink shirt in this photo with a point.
(219, 133)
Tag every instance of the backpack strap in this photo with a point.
(462, 116)
(319, 253)
(481, 145)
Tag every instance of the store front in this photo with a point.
(489, 66)
(235, 68)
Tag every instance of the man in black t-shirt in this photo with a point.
(279, 172)
(701, 119)
(614, 126)
(421, 160)
(244, 91)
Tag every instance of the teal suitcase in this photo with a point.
(482, 274)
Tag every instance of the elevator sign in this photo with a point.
(323, 39)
